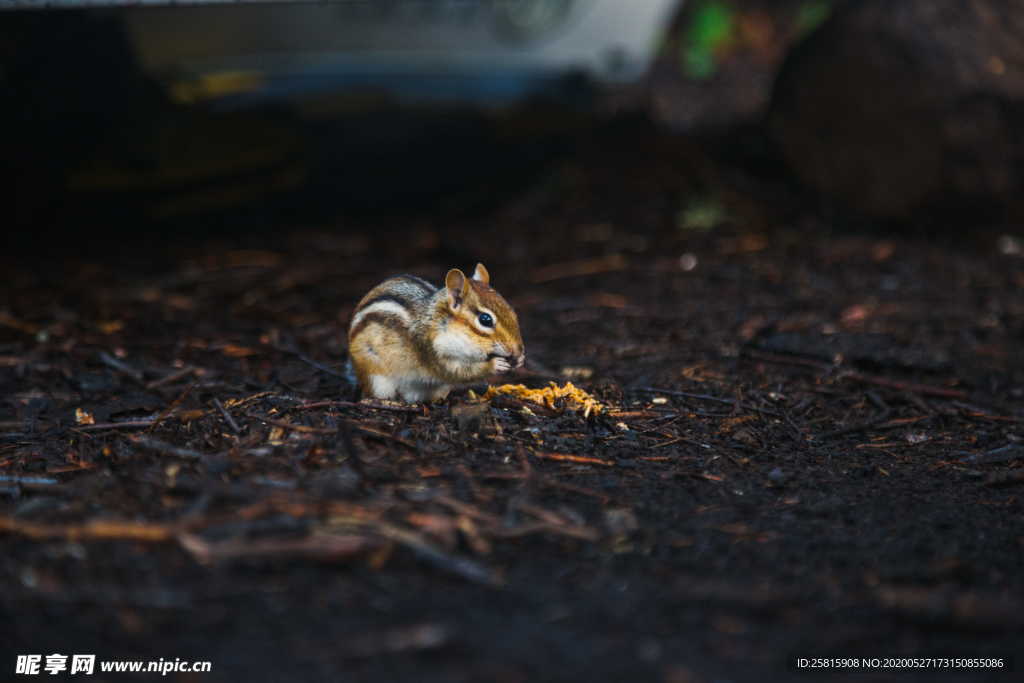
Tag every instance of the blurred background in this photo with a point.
(232, 113)
(166, 114)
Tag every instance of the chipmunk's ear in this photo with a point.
(481, 274)
(457, 285)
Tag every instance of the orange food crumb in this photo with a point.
(554, 397)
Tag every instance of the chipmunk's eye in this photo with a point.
(486, 320)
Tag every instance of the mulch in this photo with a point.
(812, 444)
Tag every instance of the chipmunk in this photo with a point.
(412, 341)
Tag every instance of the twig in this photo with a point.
(569, 457)
(975, 411)
(580, 532)
(227, 416)
(1007, 453)
(555, 519)
(317, 546)
(94, 530)
(296, 427)
(467, 509)
(361, 404)
(238, 403)
(127, 424)
(174, 404)
(384, 435)
(165, 448)
(309, 361)
(639, 414)
(461, 566)
(120, 366)
(171, 378)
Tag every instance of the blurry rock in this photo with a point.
(894, 107)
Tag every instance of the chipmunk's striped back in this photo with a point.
(384, 339)
(394, 302)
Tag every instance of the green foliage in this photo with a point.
(713, 29)
(710, 29)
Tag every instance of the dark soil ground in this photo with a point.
(813, 443)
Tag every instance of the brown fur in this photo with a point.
(408, 340)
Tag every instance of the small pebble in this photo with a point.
(687, 262)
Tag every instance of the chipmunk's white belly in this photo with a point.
(408, 387)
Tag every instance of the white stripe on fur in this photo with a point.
(383, 307)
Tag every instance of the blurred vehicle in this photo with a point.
(163, 109)
(478, 50)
